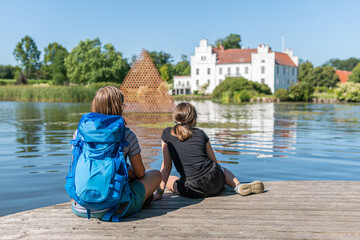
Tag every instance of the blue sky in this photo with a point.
(316, 30)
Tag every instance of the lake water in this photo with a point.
(270, 142)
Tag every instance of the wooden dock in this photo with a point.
(288, 210)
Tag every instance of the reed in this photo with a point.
(47, 93)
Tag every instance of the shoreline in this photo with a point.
(316, 100)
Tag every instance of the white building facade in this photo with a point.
(210, 66)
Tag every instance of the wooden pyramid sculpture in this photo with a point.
(143, 88)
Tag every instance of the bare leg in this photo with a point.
(171, 184)
(242, 189)
(151, 181)
(230, 178)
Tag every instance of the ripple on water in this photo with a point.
(255, 141)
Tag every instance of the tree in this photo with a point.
(203, 88)
(319, 76)
(305, 71)
(182, 68)
(28, 55)
(7, 72)
(231, 41)
(282, 94)
(164, 73)
(301, 92)
(160, 58)
(54, 59)
(323, 77)
(91, 62)
(231, 85)
(355, 75)
(347, 64)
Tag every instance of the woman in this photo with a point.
(190, 150)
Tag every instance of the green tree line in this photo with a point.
(89, 62)
(325, 76)
(92, 61)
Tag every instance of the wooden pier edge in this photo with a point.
(287, 210)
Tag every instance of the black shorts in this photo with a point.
(207, 184)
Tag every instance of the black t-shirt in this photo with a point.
(189, 157)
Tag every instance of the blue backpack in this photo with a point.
(98, 177)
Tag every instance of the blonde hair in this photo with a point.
(184, 117)
(108, 100)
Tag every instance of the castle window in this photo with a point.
(237, 71)
(220, 70)
(197, 71)
(197, 83)
(262, 69)
(246, 70)
(204, 58)
(263, 80)
(209, 81)
(262, 61)
(208, 71)
(229, 71)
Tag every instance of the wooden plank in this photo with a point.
(331, 211)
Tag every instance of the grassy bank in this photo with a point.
(191, 97)
(30, 81)
(47, 94)
(325, 95)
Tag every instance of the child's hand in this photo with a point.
(157, 196)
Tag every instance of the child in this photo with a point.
(190, 150)
(109, 101)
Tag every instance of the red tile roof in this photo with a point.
(244, 56)
(343, 75)
(234, 55)
(284, 59)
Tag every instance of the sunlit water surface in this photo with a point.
(270, 142)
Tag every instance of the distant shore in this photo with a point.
(45, 93)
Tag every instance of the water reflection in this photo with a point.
(149, 138)
(259, 133)
(28, 128)
(256, 141)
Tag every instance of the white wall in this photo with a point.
(263, 59)
(203, 60)
(285, 76)
(233, 71)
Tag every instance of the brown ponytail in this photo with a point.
(184, 117)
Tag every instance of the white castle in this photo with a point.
(212, 65)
